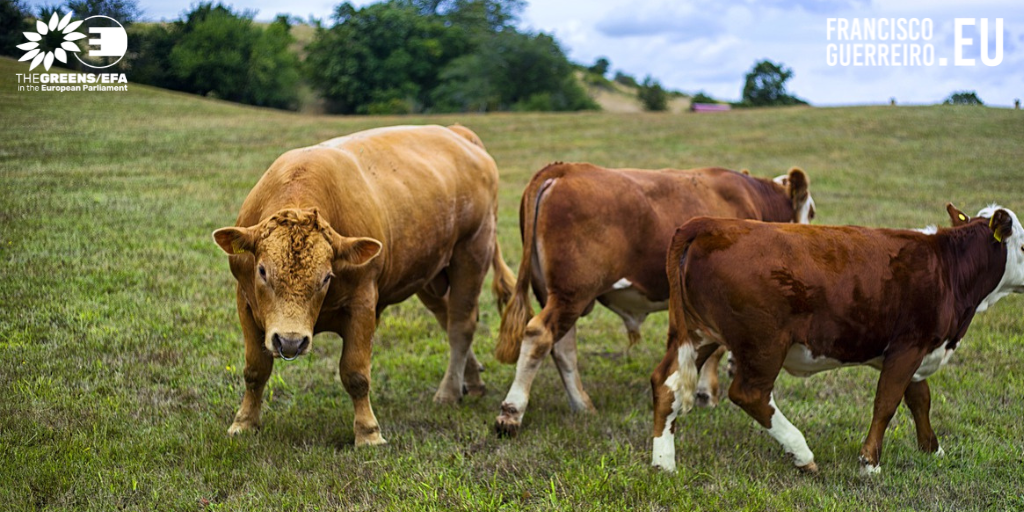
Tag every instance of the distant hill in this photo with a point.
(620, 98)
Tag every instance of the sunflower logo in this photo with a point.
(40, 55)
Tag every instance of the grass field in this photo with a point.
(121, 354)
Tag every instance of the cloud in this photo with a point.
(686, 21)
(817, 6)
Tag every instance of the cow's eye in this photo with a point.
(262, 271)
(327, 280)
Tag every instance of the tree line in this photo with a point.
(393, 57)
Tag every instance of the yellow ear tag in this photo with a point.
(963, 217)
(237, 247)
(995, 232)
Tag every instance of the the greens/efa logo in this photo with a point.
(56, 39)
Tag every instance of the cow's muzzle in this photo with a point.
(290, 345)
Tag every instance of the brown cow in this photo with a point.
(334, 233)
(812, 298)
(591, 233)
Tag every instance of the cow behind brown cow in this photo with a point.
(592, 234)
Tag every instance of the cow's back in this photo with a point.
(621, 220)
(851, 290)
(416, 189)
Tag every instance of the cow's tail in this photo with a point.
(519, 312)
(675, 266)
(504, 281)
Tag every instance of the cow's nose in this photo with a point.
(290, 344)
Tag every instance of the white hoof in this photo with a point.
(664, 453)
(940, 452)
(870, 469)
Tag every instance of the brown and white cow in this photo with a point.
(812, 298)
(334, 233)
(595, 234)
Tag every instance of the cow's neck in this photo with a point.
(975, 263)
(774, 207)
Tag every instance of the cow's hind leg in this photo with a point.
(564, 354)
(919, 399)
(751, 389)
(897, 370)
(537, 343)
(469, 264)
(438, 305)
(672, 385)
(707, 384)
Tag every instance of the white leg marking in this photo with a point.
(789, 437)
(681, 382)
(940, 452)
(665, 452)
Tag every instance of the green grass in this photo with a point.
(121, 354)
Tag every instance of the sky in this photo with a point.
(710, 45)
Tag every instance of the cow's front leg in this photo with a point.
(897, 370)
(919, 399)
(355, 373)
(258, 365)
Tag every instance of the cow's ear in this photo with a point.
(235, 240)
(957, 217)
(354, 251)
(745, 172)
(798, 186)
(1002, 225)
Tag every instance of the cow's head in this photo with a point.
(1006, 230)
(798, 189)
(295, 253)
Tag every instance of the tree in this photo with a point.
(652, 96)
(13, 21)
(624, 79)
(453, 55)
(701, 97)
(600, 67)
(383, 57)
(511, 71)
(124, 11)
(766, 86)
(221, 53)
(963, 98)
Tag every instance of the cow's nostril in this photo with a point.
(304, 344)
(276, 341)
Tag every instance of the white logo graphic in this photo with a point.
(46, 57)
(111, 42)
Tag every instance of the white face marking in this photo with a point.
(803, 216)
(789, 437)
(801, 363)
(681, 382)
(932, 362)
(1013, 274)
(782, 179)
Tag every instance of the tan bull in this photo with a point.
(334, 233)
